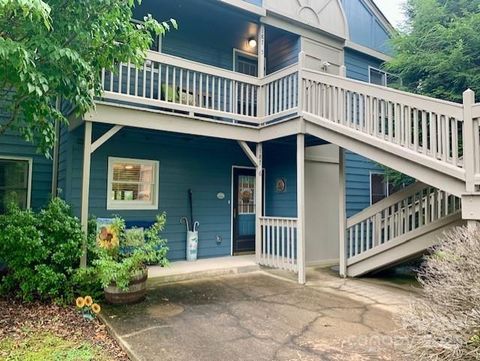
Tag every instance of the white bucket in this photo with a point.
(192, 245)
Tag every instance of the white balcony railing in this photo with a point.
(279, 243)
(430, 131)
(406, 212)
(197, 90)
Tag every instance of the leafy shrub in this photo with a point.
(41, 250)
(118, 260)
(445, 323)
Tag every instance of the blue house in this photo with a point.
(266, 121)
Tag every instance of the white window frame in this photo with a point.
(387, 193)
(30, 172)
(133, 205)
(385, 74)
(245, 53)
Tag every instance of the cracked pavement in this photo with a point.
(261, 316)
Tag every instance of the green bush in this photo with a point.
(42, 252)
(134, 250)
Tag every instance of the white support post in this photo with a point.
(258, 202)
(301, 208)
(261, 93)
(342, 215)
(301, 86)
(86, 187)
(468, 140)
(261, 51)
(56, 148)
(342, 203)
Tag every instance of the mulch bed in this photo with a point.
(18, 319)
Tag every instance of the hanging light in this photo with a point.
(252, 42)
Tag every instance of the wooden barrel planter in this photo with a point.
(136, 291)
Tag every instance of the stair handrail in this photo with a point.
(452, 109)
(386, 203)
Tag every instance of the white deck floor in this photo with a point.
(183, 270)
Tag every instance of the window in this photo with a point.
(132, 184)
(380, 77)
(246, 194)
(380, 187)
(245, 63)
(15, 182)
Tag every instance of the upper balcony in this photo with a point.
(210, 67)
(170, 84)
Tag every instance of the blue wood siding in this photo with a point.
(209, 38)
(186, 162)
(358, 168)
(280, 162)
(365, 29)
(282, 49)
(14, 146)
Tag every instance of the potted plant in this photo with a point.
(123, 256)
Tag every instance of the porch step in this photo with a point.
(203, 268)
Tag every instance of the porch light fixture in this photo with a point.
(129, 167)
(252, 43)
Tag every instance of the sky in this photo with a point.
(392, 10)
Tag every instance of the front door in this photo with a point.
(243, 211)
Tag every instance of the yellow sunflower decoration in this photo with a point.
(107, 238)
(88, 301)
(80, 302)
(96, 308)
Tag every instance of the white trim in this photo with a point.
(248, 152)
(368, 51)
(133, 205)
(106, 136)
(30, 173)
(247, 54)
(231, 198)
(243, 5)
(379, 15)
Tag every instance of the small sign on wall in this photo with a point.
(280, 185)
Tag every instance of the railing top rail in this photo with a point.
(278, 218)
(279, 74)
(385, 203)
(476, 110)
(421, 102)
(202, 68)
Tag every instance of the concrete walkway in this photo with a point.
(262, 316)
(202, 268)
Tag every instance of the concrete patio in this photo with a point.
(262, 316)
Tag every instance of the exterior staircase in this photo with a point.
(399, 227)
(433, 141)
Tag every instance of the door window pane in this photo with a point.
(246, 194)
(14, 183)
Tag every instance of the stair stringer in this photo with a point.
(402, 249)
